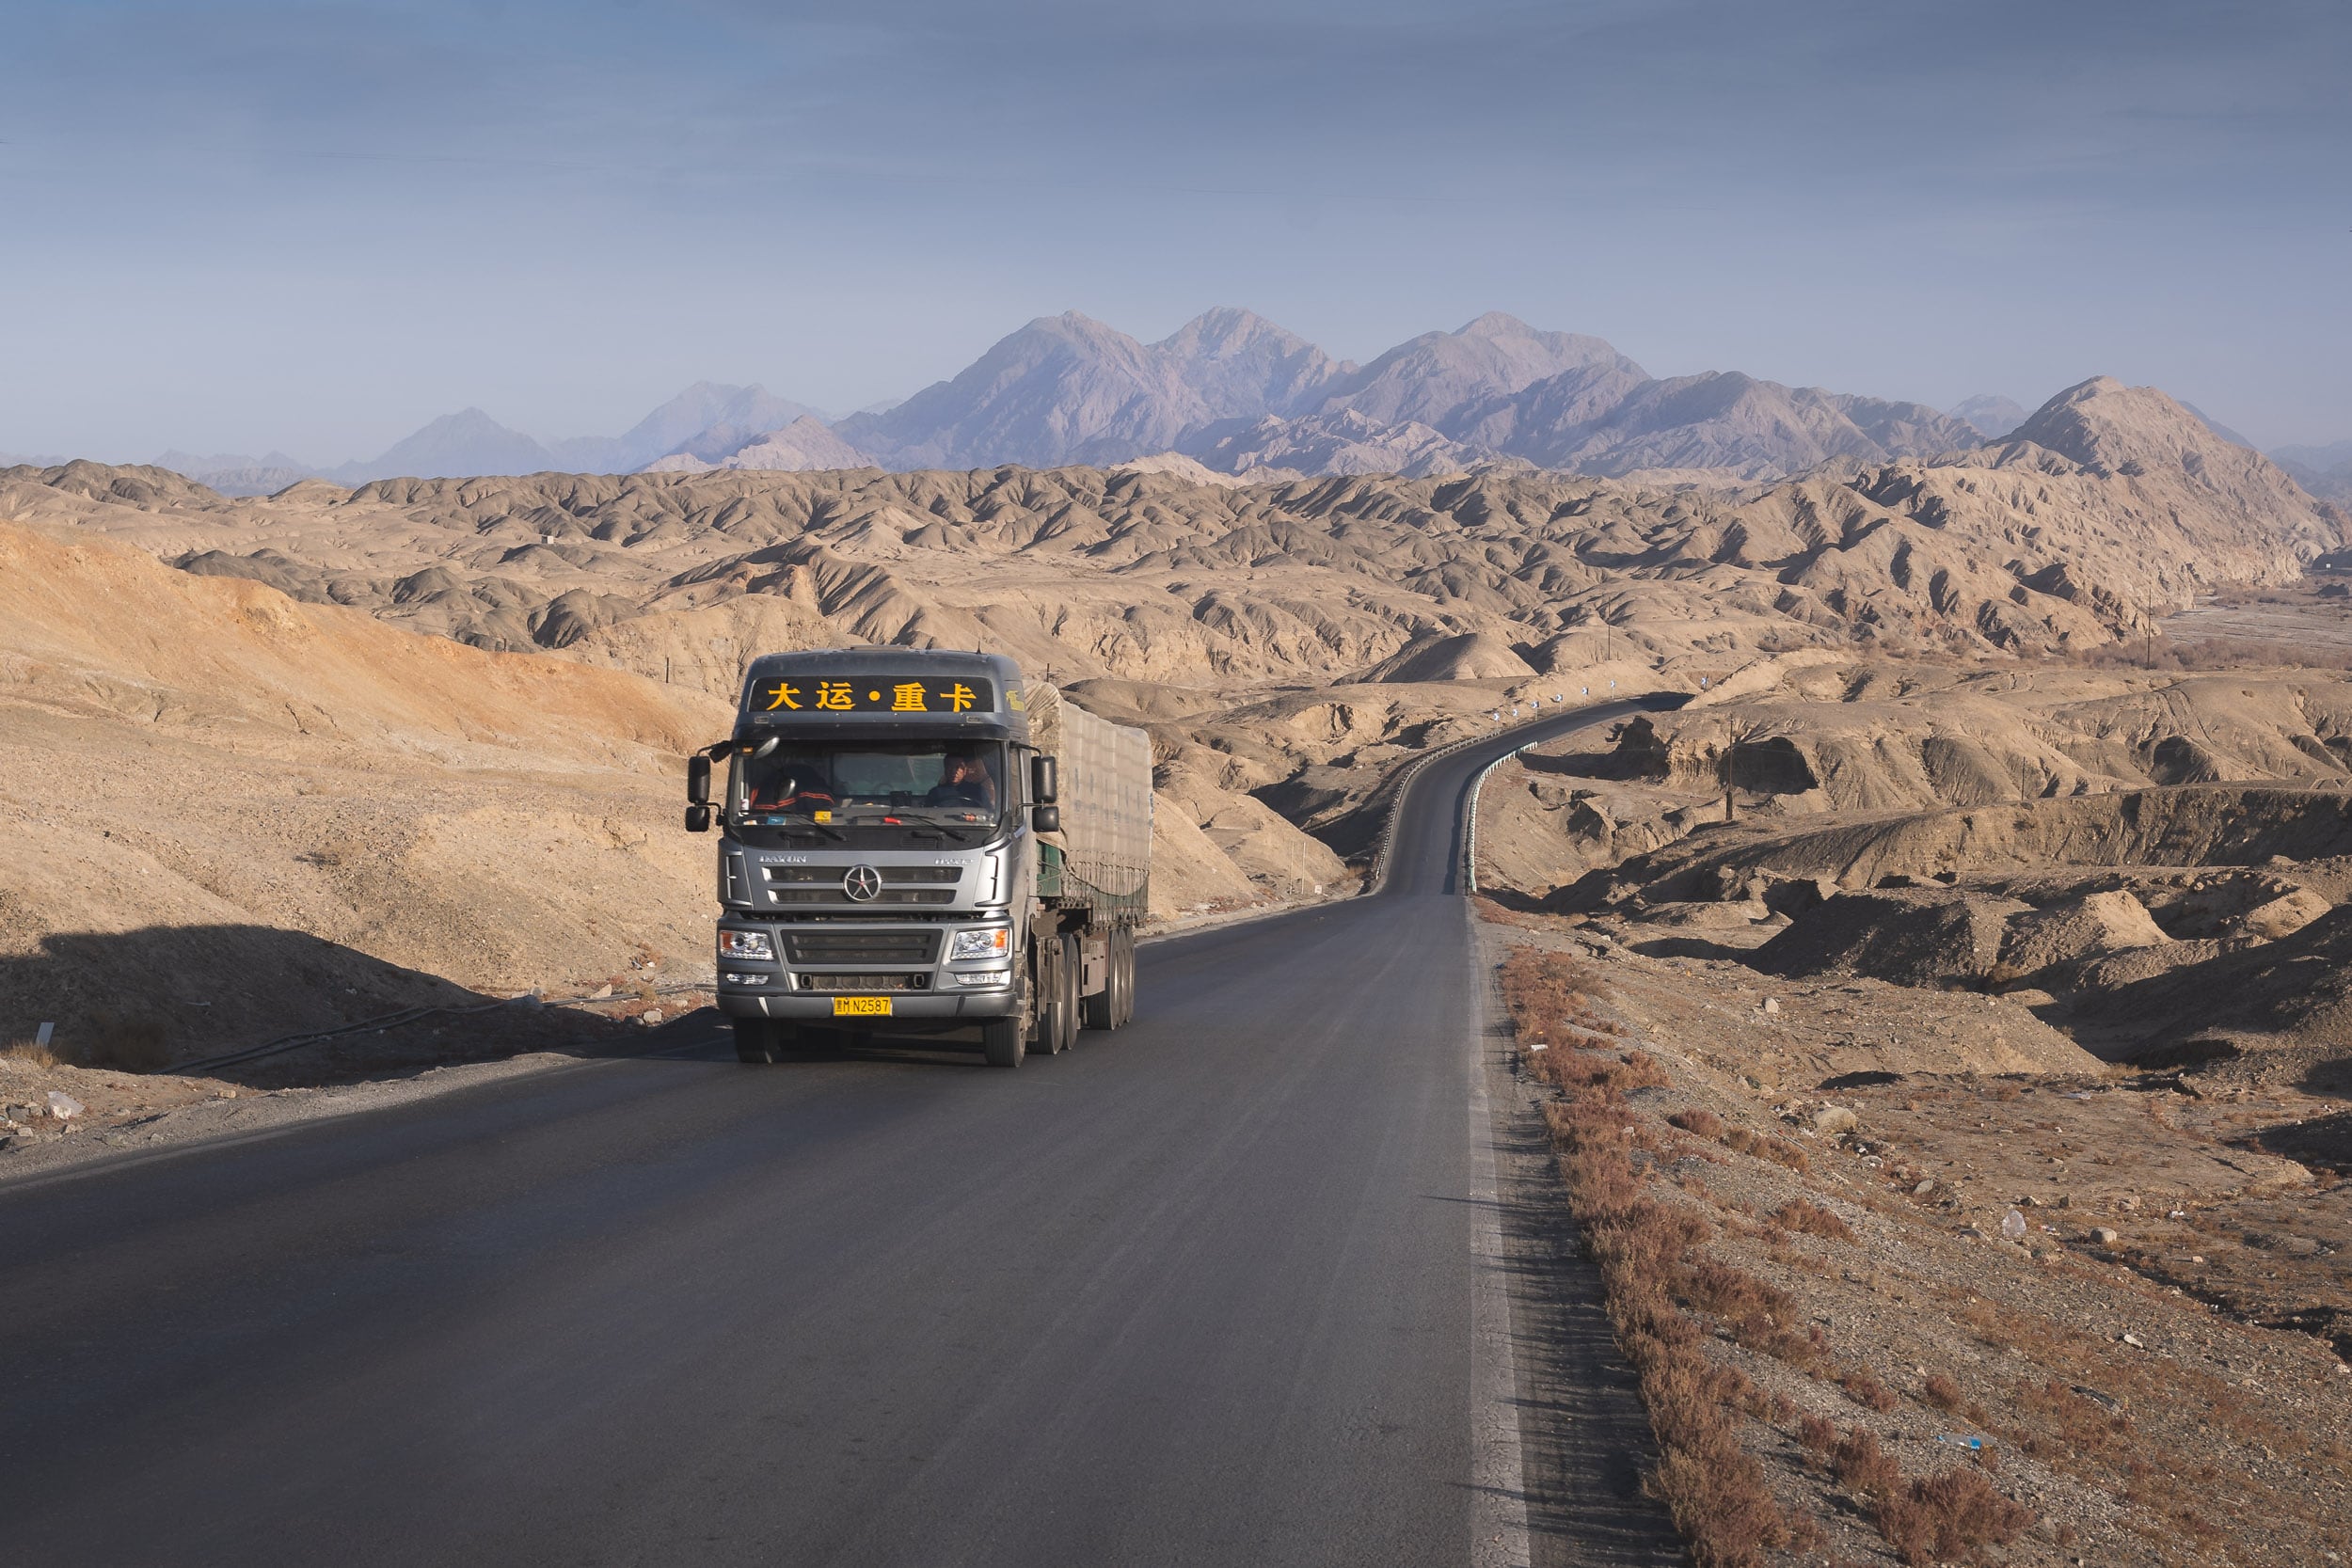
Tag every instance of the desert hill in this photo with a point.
(226, 813)
(1155, 575)
(1374, 613)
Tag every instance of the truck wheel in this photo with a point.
(1101, 1010)
(1004, 1041)
(1057, 987)
(1072, 975)
(755, 1042)
(1123, 977)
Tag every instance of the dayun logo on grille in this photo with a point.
(862, 882)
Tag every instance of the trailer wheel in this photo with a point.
(1057, 992)
(1123, 977)
(1101, 1010)
(1070, 974)
(755, 1042)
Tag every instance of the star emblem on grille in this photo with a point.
(862, 882)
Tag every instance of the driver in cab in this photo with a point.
(964, 783)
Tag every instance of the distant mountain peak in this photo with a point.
(1989, 413)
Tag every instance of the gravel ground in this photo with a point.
(2128, 1295)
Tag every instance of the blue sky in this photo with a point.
(316, 225)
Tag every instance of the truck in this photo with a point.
(922, 842)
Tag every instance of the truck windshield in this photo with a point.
(869, 784)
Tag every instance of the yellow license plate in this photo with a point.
(861, 1006)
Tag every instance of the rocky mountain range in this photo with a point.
(1239, 395)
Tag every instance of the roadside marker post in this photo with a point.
(43, 1034)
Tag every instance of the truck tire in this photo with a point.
(1123, 977)
(1071, 975)
(755, 1042)
(1004, 1041)
(1101, 1010)
(1056, 1003)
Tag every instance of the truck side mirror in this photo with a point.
(698, 783)
(1043, 779)
(1046, 820)
(698, 819)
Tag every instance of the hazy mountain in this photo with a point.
(456, 446)
(1068, 390)
(236, 474)
(31, 459)
(2141, 435)
(1238, 393)
(1736, 423)
(1440, 375)
(1345, 442)
(2324, 471)
(1990, 415)
(2217, 426)
(803, 445)
(471, 443)
(702, 408)
(1241, 363)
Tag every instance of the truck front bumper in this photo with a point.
(905, 1007)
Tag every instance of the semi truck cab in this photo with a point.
(891, 857)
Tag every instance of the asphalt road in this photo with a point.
(1218, 1289)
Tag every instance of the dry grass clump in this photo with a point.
(31, 1054)
(1943, 1393)
(1803, 1215)
(1866, 1390)
(1763, 1148)
(1937, 1518)
(1700, 1123)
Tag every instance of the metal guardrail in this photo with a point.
(1469, 820)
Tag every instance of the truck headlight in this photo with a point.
(991, 943)
(745, 944)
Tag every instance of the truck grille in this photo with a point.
(900, 884)
(861, 947)
(867, 982)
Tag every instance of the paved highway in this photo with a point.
(1235, 1285)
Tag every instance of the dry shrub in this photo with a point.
(31, 1054)
(1730, 1292)
(1938, 1518)
(1816, 1434)
(1803, 1215)
(1705, 1124)
(127, 1042)
(2083, 1425)
(1866, 1390)
(1642, 1071)
(1942, 1392)
(1785, 1153)
(1860, 1465)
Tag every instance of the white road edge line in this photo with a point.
(1499, 1533)
(1499, 1537)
